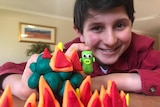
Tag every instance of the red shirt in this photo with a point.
(140, 57)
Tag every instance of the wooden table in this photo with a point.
(139, 100)
(136, 100)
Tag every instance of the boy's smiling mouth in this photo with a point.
(110, 51)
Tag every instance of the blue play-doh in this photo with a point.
(53, 80)
(56, 80)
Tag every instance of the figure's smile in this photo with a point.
(87, 61)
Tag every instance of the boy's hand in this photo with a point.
(24, 80)
(78, 46)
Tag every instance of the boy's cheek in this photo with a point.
(82, 38)
(125, 36)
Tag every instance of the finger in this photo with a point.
(78, 47)
(84, 75)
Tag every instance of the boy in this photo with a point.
(105, 27)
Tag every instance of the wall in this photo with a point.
(11, 49)
(154, 36)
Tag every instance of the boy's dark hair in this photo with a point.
(82, 7)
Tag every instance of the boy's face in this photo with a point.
(108, 34)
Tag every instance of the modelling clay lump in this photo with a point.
(60, 62)
(70, 98)
(56, 70)
(85, 90)
(87, 61)
(31, 101)
(75, 61)
(46, 96)
(109, 97)
(40, 67)
(6, 98)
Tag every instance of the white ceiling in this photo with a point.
(147, 11)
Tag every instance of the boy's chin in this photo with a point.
(106, 62)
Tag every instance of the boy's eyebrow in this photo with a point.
(123, 20)
(117, 20)
(94, 23)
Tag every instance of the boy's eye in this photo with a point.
(97, 28)
(120, 26)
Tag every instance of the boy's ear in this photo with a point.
(80, 35)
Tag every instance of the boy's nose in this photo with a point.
(109, 38)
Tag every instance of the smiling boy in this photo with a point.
(105, 28)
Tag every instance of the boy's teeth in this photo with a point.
(108, 50)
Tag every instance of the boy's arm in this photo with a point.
(2, 77)
(125, 81)
(19, 82)
(18, 88)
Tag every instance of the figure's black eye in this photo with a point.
(89, 55)
(84, 56)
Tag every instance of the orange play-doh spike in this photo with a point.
(123, 98)
(60, 62)
(102, 92)
(31, 101)
(70, 98)
(75, 60)
(46, 97)
(85, 90)
(94, 100)
(104, 97)
(6, 98)
(114, 94)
